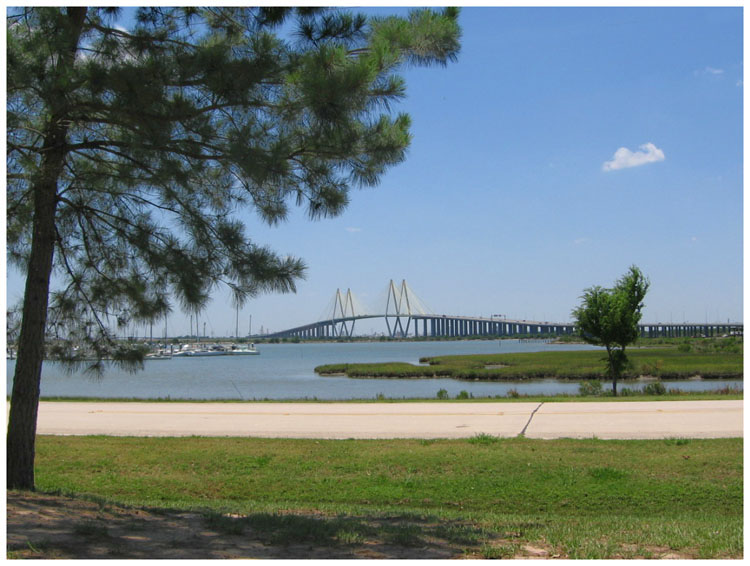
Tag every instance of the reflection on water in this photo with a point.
(286, 371)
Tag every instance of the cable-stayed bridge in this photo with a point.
(406, 315)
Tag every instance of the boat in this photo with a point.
(206, 352)
(186, 350)
(193, 350)
(159, 353)
(158, 356)
(201, 351)
(251, 351)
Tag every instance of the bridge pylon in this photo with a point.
(399, 306)
(343, 307)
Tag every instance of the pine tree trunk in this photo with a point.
(26, 381)
(24, 403)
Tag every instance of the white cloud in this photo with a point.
(624, 158)
(711, 71)
(352, 230)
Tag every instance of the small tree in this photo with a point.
(610, 317)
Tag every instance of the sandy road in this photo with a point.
(654, 419)
(657, 419)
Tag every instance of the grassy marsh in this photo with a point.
(662, 363)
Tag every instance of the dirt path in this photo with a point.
(51, 526)
(45, 526)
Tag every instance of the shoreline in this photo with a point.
(560, 398)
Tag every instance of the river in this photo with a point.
(286, 371)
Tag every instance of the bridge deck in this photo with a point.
(457, 325)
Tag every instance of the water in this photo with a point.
(286, 371)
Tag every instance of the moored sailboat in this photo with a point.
(246, 351)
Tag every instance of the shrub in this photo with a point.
(656, 388)
(727, 390)
(513, 393)
(442, 394)
(592, 388)
(483, 438)
(464, 395)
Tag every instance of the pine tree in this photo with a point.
(131, 153)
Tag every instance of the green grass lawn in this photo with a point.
(664, 363)
(487, 496)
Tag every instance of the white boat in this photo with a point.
(157, 357)
(206, 352)
(158, 354)
(183, 351)
(243, 351)
(191, 350)
(188, 350)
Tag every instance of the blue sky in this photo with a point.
(564, 145)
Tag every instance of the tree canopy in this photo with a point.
(131, 152)
(168, 128)
(610, 317)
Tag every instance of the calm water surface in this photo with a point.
(286, 371)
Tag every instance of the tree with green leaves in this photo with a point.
(132, 152)
(610, 317)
